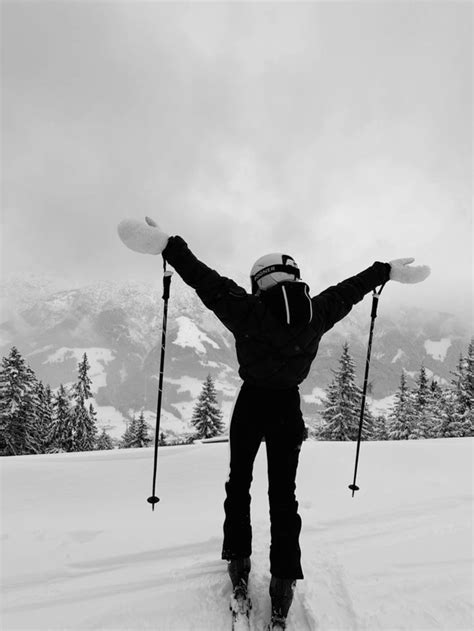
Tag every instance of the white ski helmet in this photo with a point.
(272, 269)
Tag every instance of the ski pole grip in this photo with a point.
(166, 284)
(375, 304)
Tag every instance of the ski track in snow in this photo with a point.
(81, 549)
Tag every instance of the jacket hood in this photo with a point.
(289, 302)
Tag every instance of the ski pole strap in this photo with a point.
(166, 281)
(166, 285)
(375, 301)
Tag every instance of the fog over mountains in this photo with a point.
(118, 325)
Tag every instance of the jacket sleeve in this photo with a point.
(230, 302)
(334, 303)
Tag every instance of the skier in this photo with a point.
(277, 329)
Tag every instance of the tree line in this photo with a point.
(428, 410)
(36, 420)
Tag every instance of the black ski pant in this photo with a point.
(274, 415)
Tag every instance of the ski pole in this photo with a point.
(153, 499)
(373, 315)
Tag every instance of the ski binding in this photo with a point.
(240, 606)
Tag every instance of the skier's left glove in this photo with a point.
(402, 273)
(146, 238)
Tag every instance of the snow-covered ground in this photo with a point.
(438, 349)
(81, 548)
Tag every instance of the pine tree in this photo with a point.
(465, 392)
(18, 406)
(423, 407)
(458, 418)
(82, 388)
(401, 420)
(207, 417)
(438, 402)
(43, 428)
(63, 430)
(380, 428)
(85, 428)
(369, 423)
(451, 422)
(129, 434)
(141, 436)
(341, 412)
(104, 442)
(49, 416)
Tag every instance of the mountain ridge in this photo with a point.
(119, 325)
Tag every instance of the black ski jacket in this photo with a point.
(272, 351)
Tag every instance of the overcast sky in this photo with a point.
(339, 133)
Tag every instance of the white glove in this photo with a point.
(403, 274)
(146, 238)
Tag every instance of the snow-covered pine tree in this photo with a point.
(368, 426)
(141, 436)
(63, 430)
(335, 426)
(207, 417)
(380, 428)
(438, 402)
(43, 428)
(458, 418)
(314, 425)
(424, 421)
(90, 440)
(401, 420)
(465, 392)
(50, 413)
(450, 421)
(468, 391)
(84, 419)
(104, 442)
(18, 406)
(341, 411)
(82, 387)
(128, 435)
(85, 429)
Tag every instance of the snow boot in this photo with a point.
(281, 594)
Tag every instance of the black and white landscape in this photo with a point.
(334, 133)
(118, 325)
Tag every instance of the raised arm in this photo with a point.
(335, 302)
(230, 302)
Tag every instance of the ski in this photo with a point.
(240, 606)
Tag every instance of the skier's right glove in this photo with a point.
(146, 238)
(401, 272)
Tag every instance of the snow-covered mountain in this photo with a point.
(119, 326)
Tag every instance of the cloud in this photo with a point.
(334, 132)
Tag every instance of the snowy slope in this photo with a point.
(82, 549)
